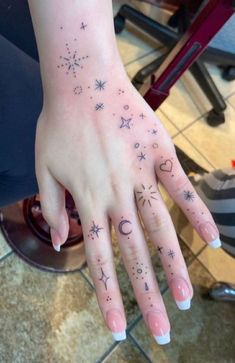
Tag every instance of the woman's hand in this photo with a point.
(109, 150)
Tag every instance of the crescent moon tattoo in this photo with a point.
(120, 227)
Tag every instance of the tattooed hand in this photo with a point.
(99, 139)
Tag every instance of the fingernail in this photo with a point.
(181, 293)
(159, 327)
(55, 237)
(210, 234)
(116, 324)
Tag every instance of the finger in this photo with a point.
(173, 177)
(137, 262)
(99, 256)
(161, 231)
(52, 200)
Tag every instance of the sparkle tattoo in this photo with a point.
(171, 254)
(99, 85)
(83, 26)
(166, 166)
(142, 116)
(122, 227)
(160, 249)
(99, 106)
(125, 123)
(139, 270)
(71, 62)
(146, 195)
(141, 156)
(189, 195)
(95, 229)
(104, 278)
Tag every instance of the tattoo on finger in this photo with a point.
(104, 278)
(146, 195)
(94, 230)
(124, 227)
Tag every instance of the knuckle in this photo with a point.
(157, 223)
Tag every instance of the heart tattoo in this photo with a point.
(166, 166)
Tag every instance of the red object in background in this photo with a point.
(207, 23)
(233, 163)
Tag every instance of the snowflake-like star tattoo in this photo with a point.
(125, 123)
(104, 278)
(189, 195)
(171, 254)
(99, 106)
(95, 229)
(71, 62)
(146, 195)
(141, 156)
(99, 85)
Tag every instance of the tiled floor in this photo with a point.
(48, 317)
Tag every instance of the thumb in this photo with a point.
(52, 199)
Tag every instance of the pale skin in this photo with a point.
(97, 138)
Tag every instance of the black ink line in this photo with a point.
(104, 278)
(99, 106)
(95, 229)
(120, 227)
(166, 166)
(99, 85)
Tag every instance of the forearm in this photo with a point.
(76, 43)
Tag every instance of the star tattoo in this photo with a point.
(141, 156)
(160, 249)
(71, 62)
(83, 26)
(104, 278)
(99, 85)
(171, 254)
(189, 195)
(95, 229)
(99, 106)
(125, 123)
(146, 195)
(142, 116)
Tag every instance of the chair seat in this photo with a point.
(225, 39)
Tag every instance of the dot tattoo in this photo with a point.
(189, 195)
(83, 26)
(99, 106)
(120, 91)
(95, 229)
(141, 156)
(125, 123)
(71, 62)
(99, 85)
(104, 278)
(108, 298)
(77, 90)
(171, 254)
(122, 227)
(139, 270)
(166, 166)
(146, 195)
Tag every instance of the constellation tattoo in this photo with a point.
(104, 278)
(83, 26)
(146, 195)
(99, 106)
(139, 271)
(95, 229)
(99, 85)
(171, 254)
(77, 90)
(189, 195)
(125, 123)
(160, 249)
(120, 91)
(71, 62)
(166, 166)
(121, 227)
(141, 156)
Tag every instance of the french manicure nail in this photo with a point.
(210, 234)
(55, 237)
(159, 327)
(181, 293)
(116, 324)
(56, 247)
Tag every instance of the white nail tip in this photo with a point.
(57, 247)
(119, 336)
(163, 339)
(184, 305)
(216, 243)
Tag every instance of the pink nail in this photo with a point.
(181, 293)
(158, 324)
(210, 234)
(116, 324)
(55, 237)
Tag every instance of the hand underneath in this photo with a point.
(108, 149)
